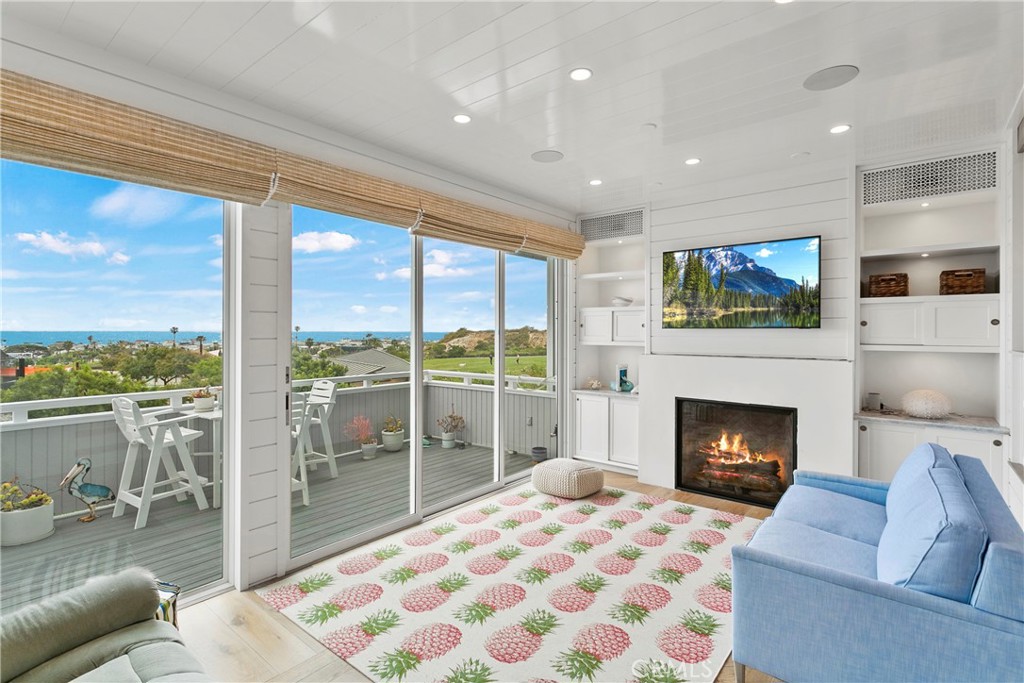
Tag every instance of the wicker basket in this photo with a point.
(963, 281)
(889, 284)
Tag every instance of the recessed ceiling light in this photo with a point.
(925, 255)
(797, 155)
(461, 118)
(620, 241)
(595, 182)
(832, 77)
(547, 156)
(692, 162)
(650, 126)
(924, 204)
(580, 74)
(840, 129)
(783, 2)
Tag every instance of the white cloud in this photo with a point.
(469, 296)
(138, 205)
(439, 256)
(401, 274)
(216, 262)
(8, 274)
(764, 252)
(433, 270)
(380, 261)
(313, 242)
(812, 245)
(380, 276)
(389, 309)
(119, 258)
(358, 308)
(208, 209)
(61, 243)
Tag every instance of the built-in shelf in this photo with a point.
(613, 275)
(933, 251)
(931, 298)
(608, 392)
(606, 464)
(923, 348)
(974, 423)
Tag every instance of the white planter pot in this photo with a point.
(203, 405)
(447, 439)
(369, 451)
(392, 441)
(25, 526)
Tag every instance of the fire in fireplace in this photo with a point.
(745, 452)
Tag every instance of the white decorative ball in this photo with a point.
(926, 403)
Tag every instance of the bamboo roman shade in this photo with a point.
(51, 125)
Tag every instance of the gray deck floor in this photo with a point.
(184, 545)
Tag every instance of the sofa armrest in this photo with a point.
(801, 621)
(62, 622)
(870, 490)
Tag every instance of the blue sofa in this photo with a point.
(851, 579)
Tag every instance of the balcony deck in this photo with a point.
(184, 545)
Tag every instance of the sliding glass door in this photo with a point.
(350, 458)
(459, 453)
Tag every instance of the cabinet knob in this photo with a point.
(997, 442)
(863, 428)
(995, 321)
(863, 323)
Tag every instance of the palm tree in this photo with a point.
(200, 338)
(174, 337)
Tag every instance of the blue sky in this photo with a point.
(791, 259)
(86, 253)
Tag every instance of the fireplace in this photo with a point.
(744, 452)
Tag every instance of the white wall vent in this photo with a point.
(943, 176)
(614, 225)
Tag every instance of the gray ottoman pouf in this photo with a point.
(567, 478)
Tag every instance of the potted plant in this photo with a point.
(449, 424)
(393, 434)
(24, 516)
(360, 429)
(203, 400)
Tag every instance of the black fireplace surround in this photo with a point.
(739, 451)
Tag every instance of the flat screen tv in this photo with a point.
(763, 284)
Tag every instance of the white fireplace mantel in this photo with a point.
(820, 390)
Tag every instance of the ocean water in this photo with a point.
(12, 337)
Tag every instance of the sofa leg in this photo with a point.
(741, 671)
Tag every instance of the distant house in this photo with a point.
(372, 361)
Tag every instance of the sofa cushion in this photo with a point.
(801, 542)
(925, 457)
(1000, 587)
(934, 538)
(833, 512)
(150, 663)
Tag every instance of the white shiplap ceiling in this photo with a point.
(720, 80)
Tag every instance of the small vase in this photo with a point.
(447, 439)
(25, 526)
(369, 451)
(392, 441)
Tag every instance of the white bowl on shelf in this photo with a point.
(622, 301)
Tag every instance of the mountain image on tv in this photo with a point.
(768, 284)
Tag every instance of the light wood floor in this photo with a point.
(238, 637)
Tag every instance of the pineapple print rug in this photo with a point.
(528, 587)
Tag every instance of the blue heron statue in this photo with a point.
(90, 494)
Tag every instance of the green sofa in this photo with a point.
(101, 631)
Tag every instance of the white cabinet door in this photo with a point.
(592, 426)
(628, 326)
(595, 326)
(962, 322)
(882, 448)
(624, 434)
(890, 323)
(978, 445)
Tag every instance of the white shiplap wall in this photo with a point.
(762, 208)
(258, 437)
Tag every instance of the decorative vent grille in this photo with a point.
(944, 176)
(625, 224)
